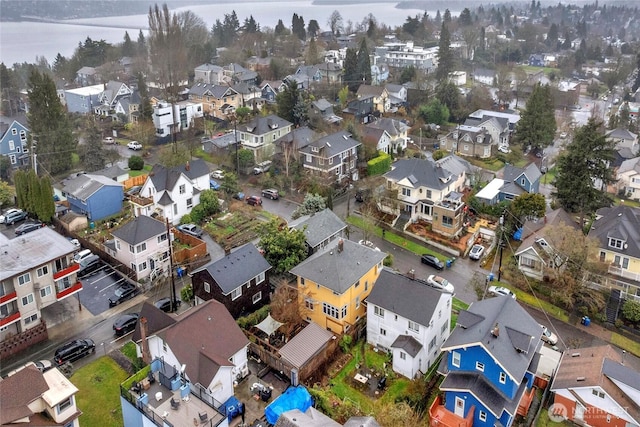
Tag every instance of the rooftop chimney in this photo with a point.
(340, 245)
(411, 274)
(146, 354)
(187, 167)
(495, 331)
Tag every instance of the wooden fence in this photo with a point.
(134, 180)
(16, 343)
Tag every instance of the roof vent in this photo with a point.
(581, 378)
(495, 331)
(575, 354)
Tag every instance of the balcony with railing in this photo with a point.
(442, 417)
(7, 292)
(66, 288)
(9, 313)
(165, 398)
(617, 270)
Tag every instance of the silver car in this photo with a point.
(476, 252)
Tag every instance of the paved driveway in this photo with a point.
(97, 288)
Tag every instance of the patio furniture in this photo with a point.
(159, 396)
(382, 382)
(203, 417)
(361, 378)
(175, 404)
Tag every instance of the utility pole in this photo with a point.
(500, 242)
(174, 298)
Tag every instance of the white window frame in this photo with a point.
(378, 311)
(207, 287)
(28, 298)
(403, 355)
(141, 247)
(413, 326)
(30, 319)
(236, 293)
(43, 271)
(482, 416)
(479, 366)
(260, 278)
(46, 291)
(64, 405)
(615, 243)
(256, 297)
(503, 378)
(456, 358)
(24, 279)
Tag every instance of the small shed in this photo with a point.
(308, 350)
(72, 221)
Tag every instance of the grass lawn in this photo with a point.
(492, 164)
(547, 70)
(201, 154)
(618, 201)
(99, 395)
(145, 170)
(544, 421)
(529, 299)
(550, 176)
(129, 350)
(623, 342)
(396, 240)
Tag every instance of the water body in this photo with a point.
(23, 41)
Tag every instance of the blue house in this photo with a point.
(13, 143)
(489, 364)
(518, 181)
(95, 196)
(271, 89)
(536, 60)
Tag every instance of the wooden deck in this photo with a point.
(442, 417)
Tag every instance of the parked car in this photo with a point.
(85, 253)
(440, 283)
(123, 292)
(254, 201)
(133, 191)
(109, 140)
(125, 324)
(41, 365)
(74, 242)
(214, 185)
(504, 150)
(8, 212)
(548, 336)
(362, 195)
(239, 195)
(476, 252)
(28, 227)
(271, 193)
(165, 305)
(262, 167)
(432, 261)
(15, 216)
(74, 350)
(500, 291)
(368, 244)
(217, 174)
(89, 266)
(191, 229)
(134, 145)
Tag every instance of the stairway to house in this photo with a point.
(402, 221)
(613, 305)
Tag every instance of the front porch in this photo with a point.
(442, 417)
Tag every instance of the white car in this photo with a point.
(504, 150)
(217, 174)
(7, 213)
(548, 336)
(440, 283)
(476, 252)
(563, 135)
(109, 140)
(368, 244)
(134, 145)
(500, 291)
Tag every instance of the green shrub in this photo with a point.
(186, 219)
(136, 163)
(631, 310)
(388, 261)
(186, 293)
(345, 343)
(379, 165)
(254, 318)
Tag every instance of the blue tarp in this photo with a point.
(517, 235)
(292, 398)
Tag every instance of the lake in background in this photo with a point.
(23, 41)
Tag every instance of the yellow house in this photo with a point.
(332, 283)
(618, 232)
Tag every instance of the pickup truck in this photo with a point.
(262, 167)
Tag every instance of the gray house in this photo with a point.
(320, 228)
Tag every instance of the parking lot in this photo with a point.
(98, 287)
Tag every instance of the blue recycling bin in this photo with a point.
(491, 277)
(180, 271)
(585, 321)
(448, 263)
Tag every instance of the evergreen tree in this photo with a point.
(312, 57)
(146, 111)
(313, 29)
(128, 48)
(447, 16)
(364, 63)
(280, 28)
(351, 70)
(438, 19)
(142, 44)
(465, 17)
(537, 124)
(47, 206)
(585, 162)
(445, 54)
(636, 83)
(51, 136)
(290, 105)
(449, 95)
(93, 150)
(297, 27)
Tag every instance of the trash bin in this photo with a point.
(448, 263)
(491, 277)
(587, 321)
(92, 225)
(180, 271)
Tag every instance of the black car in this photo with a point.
(432, 261)
(123, 293)
(125, 324)
(164, 304)
(362, 195)
(74, 350)
(28, 227)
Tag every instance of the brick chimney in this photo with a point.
(340, 245)
(411, 274)
(187, 166)
(146, 354)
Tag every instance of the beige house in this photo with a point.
(471, 141)
(259, 135)
(219, 101)
(628, 176)
(33, 398)
(380, 95)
